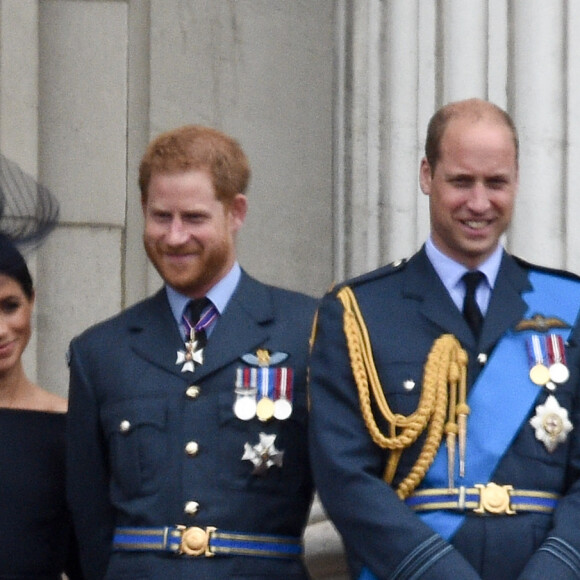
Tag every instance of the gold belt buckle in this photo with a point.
(195, 541)
(494, 499)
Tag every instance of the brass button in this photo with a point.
(192, 448)
(124, 426)
(191, 508)
(192, 392)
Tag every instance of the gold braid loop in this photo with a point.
(445, 366)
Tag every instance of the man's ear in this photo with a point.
(238, 209)
(425, 176)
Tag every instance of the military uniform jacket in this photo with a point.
(132, 413)
(405, 309)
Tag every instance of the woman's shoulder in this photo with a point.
(40, 399)
(51, 402)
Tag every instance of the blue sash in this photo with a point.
(493, 426)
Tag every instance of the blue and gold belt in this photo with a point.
(208, 542)
(489, 499)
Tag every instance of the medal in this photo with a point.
(539, 373)
(271, 386)
(265, 406)
(246, 388)
(559, 372)
(265, 409)
(191, 356)
(193, 353)
(245, 408)
(283, 394)
(282, 409)
(263, 455)
(551, 423)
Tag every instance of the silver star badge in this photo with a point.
(263, 455)
(189, 357)
(551, 423)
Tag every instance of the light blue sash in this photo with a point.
(497, 412)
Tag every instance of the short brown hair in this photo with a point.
(475, 108)
(194, 147)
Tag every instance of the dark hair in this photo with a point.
(471, 108)
(194, 147)
(13, 265)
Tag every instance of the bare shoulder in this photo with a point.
(50, 402)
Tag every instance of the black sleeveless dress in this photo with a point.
(35, 531)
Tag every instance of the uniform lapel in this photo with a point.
(507, 307)
(243, 327)
(424, 285)
(154, 334)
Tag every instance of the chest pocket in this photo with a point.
(136, 433)
(290, 441)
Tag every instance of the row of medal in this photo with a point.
(547, 360)
(263, 392)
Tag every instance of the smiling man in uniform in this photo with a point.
(187, 450)
(445, 431)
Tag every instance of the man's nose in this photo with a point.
(479, 198)
(177, 233)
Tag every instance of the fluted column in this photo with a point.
(539, 104)
(520, 55)
(572, 161)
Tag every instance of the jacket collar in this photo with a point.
(243, 327)
(505, 308)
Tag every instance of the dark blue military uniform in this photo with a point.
(152, 446)
(406, 308)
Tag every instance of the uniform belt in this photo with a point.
(489, 499)
(208, 542)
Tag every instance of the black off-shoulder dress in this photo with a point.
(35, 531)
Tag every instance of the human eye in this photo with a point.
(194, 218)
(461, 181)
(160, 216)
(10, 305)
(498, 182)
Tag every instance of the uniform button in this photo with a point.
(124, 426)
(192, 448)
(191, 508)
(192, 391)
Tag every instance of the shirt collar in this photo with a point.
(219, 294)
(451, 271)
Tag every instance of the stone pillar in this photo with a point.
(430, 53)
(19, 112)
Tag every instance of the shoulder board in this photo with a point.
(555, 271)
(387, 270)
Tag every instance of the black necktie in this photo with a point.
(471, 311)
(193, 313)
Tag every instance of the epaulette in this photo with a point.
(386, 270)
(556, 271)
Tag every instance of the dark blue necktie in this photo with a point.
(471, 311)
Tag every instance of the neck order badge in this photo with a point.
(202, 314)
